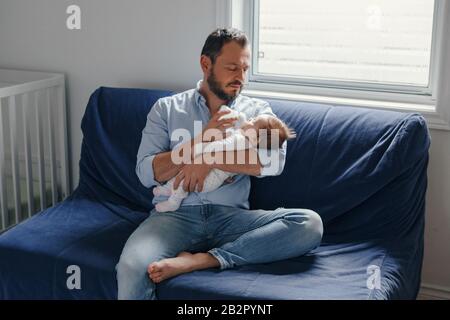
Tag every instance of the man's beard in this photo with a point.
(214, 86)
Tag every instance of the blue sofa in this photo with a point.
(363, 171)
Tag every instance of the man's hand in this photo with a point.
(215, 123)
(193, 176)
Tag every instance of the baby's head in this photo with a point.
(266, 127)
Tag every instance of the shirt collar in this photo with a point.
(198, 96)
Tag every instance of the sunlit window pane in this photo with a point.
(376, 41)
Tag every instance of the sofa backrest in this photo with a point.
(363, 171)
(112, 127)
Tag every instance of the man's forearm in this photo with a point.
(240, 162)
(163, 167)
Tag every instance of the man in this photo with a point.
(213, 229)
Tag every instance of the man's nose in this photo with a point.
(241, 76)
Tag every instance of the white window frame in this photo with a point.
(433, 104)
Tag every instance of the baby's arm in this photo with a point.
(236, 141)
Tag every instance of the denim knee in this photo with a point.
(129, 265)
(132, 280)
(309, 223)
(315, 223)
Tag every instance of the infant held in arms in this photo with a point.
(245, 134)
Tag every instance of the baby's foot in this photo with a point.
(161, 191)
(168, 205)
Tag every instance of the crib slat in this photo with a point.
(64, 152)
(41, 103)
(14, 156)
(3, 199)
(51, 138)
(40, 148)
(28, 156)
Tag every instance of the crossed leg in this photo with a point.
(270, 236)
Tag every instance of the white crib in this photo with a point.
(34, 162)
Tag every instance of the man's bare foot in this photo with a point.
(183, 263)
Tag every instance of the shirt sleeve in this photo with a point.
(155, 139)
(272, 161)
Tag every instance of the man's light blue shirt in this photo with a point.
(180, 111)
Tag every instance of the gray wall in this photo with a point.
(156, 44)
(136, 43)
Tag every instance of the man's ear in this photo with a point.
(205, 63)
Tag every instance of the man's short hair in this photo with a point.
(218, 38)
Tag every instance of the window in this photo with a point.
(385, 54)
(380, 45)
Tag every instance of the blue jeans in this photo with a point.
(233, 236)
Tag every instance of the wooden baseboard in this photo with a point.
(433, 292)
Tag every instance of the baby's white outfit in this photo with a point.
(235, 140)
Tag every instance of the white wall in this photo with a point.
(156, 44)
(436, 267)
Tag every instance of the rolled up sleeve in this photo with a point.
(155, 139)
(272, 161)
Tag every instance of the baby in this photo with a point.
(243, 135)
